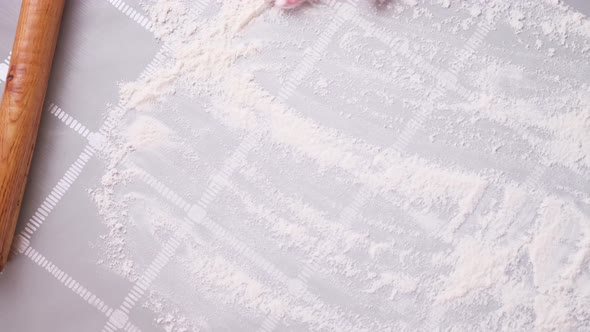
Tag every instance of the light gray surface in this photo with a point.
(99, 47)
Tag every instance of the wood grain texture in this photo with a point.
(22, 103)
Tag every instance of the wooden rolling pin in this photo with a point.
(22, 103)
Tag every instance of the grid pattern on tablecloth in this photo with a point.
(117, 316)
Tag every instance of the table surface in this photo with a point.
(55, 281)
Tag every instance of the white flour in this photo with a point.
(443, 239)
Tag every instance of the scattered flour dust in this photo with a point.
(437, 243)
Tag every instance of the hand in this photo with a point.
(289, 3)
